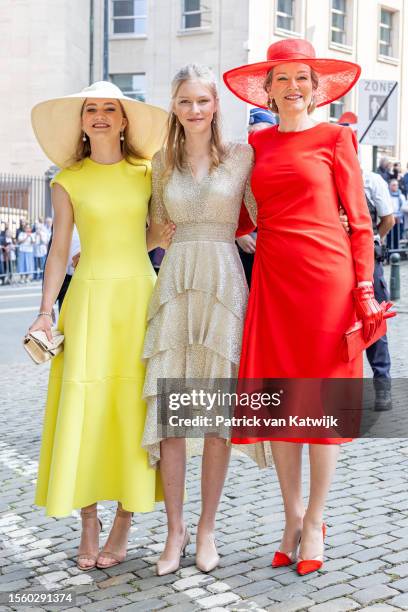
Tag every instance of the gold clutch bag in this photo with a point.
(40, 348)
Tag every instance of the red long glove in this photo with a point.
(368, 310)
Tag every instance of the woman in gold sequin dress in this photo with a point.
(197, 310)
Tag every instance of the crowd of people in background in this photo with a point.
(23, 254)
(398, 186)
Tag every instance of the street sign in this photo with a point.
(372, 95)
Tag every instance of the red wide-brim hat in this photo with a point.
(336, 77)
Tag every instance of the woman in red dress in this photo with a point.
(310, 280)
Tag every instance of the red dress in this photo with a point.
(306, 265)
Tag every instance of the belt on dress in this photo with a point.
(212, 232)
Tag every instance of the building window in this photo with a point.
(386, 32)
(384, 151)
(129, 16)
(336, 110)
(285, 15)
(195, 14)
(339, 22)
(132, 85)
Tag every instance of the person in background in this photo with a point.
(18, 231)
(41, 239)
(20, 227)
(156, 257)
(2, 255)
(398, 202)
(48, 227)
(25, 264)
(397, 170)
(384, 169)
(74, 253)
(404, 210)
(259, 119)
(2, 266)
(4, 228)
(404, 184)
(381, 211)
(38, 223)
(9, 256)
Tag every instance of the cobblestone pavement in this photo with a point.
(366, 552)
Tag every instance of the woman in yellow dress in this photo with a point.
(91, 445)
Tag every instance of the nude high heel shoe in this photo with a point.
(307, 566)
(207, 560)
(169, 566)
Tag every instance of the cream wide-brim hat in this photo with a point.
(57, 123)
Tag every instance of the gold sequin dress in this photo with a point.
(196, 313)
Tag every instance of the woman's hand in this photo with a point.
(42, 323)
(166, 235)
(344, 220)
(160, 235)
(247, 243)
(368, 309)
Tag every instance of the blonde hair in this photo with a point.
(83, 148)
(174, 152)
(271, 102)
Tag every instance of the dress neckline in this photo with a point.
(105, 165)
(188, 173)
(301, 131)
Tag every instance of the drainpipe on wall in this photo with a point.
(91, 41)
(106, 40)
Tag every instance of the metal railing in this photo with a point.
(397, 240)
(23, 197)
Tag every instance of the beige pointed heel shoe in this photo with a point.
(168, 566)
(207, 557)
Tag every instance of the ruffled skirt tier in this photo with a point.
(195, 322)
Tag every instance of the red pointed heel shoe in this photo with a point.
(307, 566)
(281, 559)
(284, 559)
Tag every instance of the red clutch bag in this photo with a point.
(353, 339)
(354, 343)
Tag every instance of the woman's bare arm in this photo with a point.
(55, 268)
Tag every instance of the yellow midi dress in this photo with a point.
(91, 444)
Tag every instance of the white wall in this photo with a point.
(165, 49)
(314, 25)
(43, 53)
